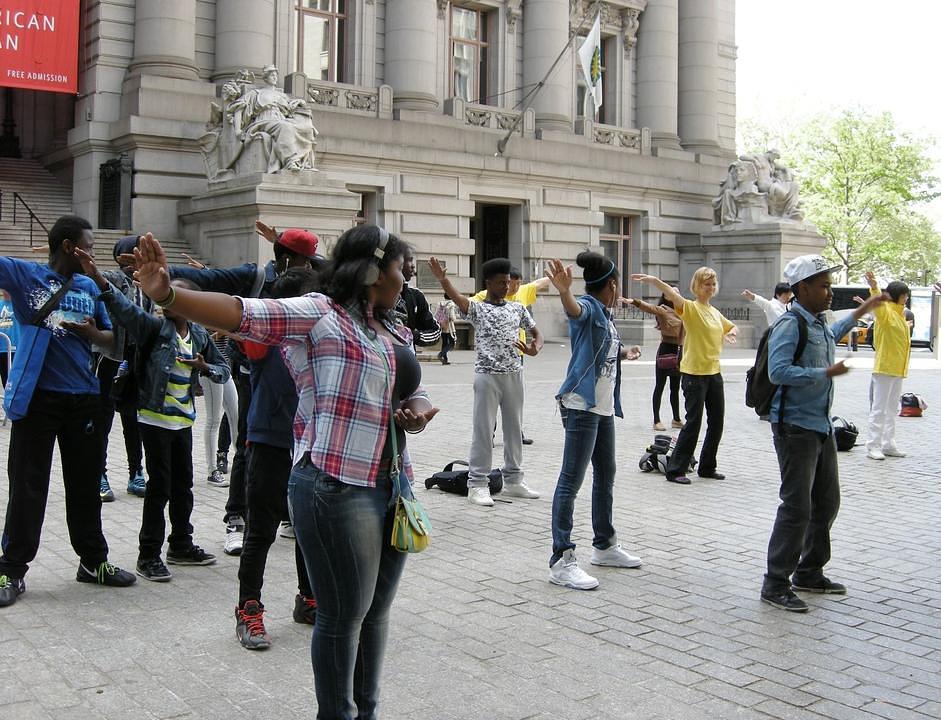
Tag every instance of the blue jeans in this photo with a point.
(588, 436)
(344, 532)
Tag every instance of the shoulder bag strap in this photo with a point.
(52, 303)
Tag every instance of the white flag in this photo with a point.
(589, 55)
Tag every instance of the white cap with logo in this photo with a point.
(805, 266)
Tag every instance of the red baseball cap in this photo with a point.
(300, 241)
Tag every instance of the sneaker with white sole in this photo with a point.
(614, 556)
(234, 536)
(217, 479)
(874, 454)
(566, 572)
(893, 452)
(480, 496)
(520, 490)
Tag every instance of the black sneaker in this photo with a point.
(222, 462)
(821, 585)
(154, 570)
(784, 599)
(105, 574)
(250, 626)
(194, 556)
(305, 610)
(11, 588)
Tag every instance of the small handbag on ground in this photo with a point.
(29, 358)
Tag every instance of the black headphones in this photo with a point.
(372, 272)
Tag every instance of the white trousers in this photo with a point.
(885, 391)
(219, 399)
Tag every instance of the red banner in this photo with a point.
(39, 44)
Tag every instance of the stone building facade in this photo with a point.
(414, 101)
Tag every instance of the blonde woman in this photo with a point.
(701, 379)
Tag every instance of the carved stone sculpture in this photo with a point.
(756, 190)
(258, 117)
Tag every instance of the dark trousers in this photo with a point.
(447, 345)
(269, 469)
(107, 368)
(70, 421)
(662, 376)
(235, 505)
(700, 392)
(170, 480)
(810, 500)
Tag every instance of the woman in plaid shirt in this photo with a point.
(353, 367)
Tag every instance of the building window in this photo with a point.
(368, 207)
(321, 31)
(605, 115)
(469, 54)
(616, 246)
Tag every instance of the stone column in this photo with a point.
(165, 39)
(657, 71)
(411, 52)
(244, 36)
(698, 73)
(545, 32)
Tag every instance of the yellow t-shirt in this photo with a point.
(893, 341)
(705, 327)
(525, 296)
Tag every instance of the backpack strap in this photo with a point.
(798, 352)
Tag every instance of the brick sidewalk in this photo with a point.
(478, 632)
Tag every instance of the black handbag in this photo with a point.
(454, 481)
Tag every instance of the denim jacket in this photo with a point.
(157, 336)
(248, 280)
(809, 390)
(589, 334)
(121, 345)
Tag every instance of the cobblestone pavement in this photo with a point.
(477, 630)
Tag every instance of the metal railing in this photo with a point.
(33, 217)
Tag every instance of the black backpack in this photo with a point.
(455, 481)
(759, 390)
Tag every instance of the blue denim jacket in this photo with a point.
(158, 335)
(809, 390)
(589, 334)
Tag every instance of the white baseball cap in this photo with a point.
(805, 266)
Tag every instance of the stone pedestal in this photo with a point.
(220, 224)
(751, 257)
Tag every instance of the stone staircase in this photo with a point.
(49, 199)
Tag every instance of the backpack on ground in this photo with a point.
(759, 390)
(657, 455)
(455, 481)
(911, 405)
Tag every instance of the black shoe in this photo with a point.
(10, 589)
(153, 569)
(712, 475)
(821, 585)
(194, 556)
(250, 626)
(679, 480)
(784, 599)
(222, 461)
(305, 610)
(527, 441)
(105, 574)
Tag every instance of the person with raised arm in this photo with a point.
(706, 329)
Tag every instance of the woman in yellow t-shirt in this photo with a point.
(705, 328)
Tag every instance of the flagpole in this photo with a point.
(501, 146)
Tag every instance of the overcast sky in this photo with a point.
(799, 57)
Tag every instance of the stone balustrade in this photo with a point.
(488, 116)
(339, 97)
(628, 139)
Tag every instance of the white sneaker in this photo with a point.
(614, 556)
(875, 454)
(566, 572)
(287, 529)
(234, 536)
(893, 452)
(480, 496)
(520, 490)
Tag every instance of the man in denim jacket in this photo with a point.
(803, 436)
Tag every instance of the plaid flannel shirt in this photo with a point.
(344, 392)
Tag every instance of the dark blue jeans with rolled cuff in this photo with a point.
(344, 532)
(810, 501)
(588, 437)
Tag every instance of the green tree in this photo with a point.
(861, 178)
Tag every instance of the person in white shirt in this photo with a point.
(775, 308)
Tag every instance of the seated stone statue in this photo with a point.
(281, 124)
(761, 183)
